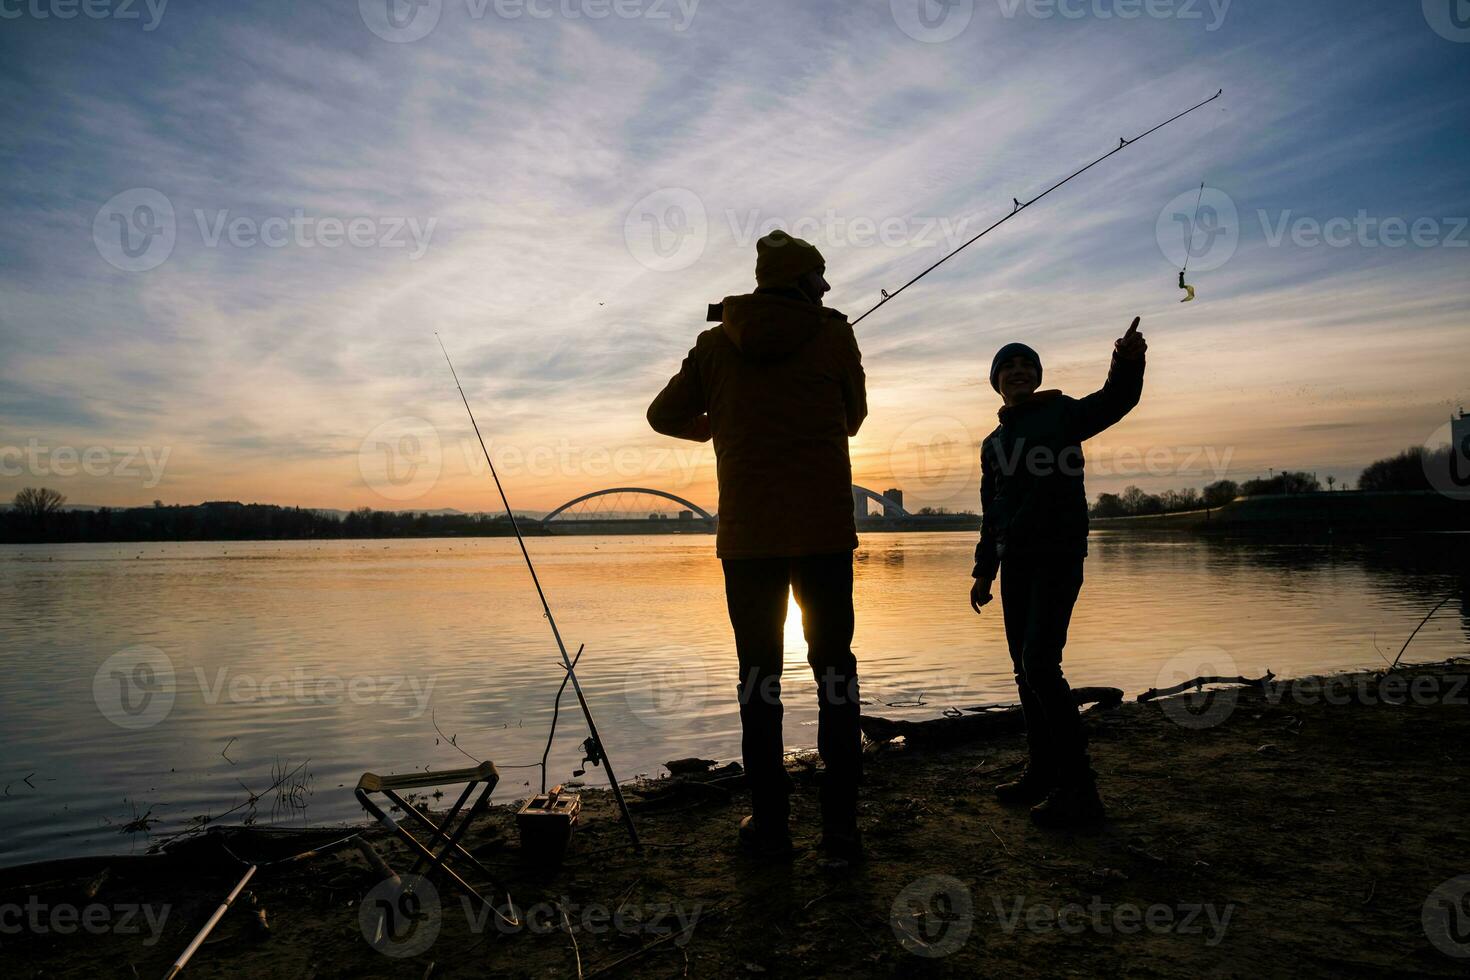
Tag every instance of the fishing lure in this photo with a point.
(1189, 248)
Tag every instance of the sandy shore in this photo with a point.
(1304, 831)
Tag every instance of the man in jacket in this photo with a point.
(1034, 527)
(778, 385)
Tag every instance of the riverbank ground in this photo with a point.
(1315, 829)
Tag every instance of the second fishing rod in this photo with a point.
(568, 664)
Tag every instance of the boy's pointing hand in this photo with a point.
(1131, 345)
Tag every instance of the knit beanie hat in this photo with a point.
(781, 260)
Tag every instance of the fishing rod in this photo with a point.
(566, 661)
(1123, 143)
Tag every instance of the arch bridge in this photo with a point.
(615, 511)
(611, 493)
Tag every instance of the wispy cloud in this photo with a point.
(523, 144)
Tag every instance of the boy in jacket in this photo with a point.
(1034, 531)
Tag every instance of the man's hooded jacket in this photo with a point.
(779, 386)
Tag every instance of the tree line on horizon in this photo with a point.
(37, 515)
(1406, 471)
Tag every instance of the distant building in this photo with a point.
(1460, 435)
(894, 507)
(859, 504)
(686, 515)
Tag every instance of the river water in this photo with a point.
(166, 681)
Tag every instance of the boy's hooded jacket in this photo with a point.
(1031, 490)
(779, 386)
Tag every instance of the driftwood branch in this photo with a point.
(1199, 682)
(983, 721)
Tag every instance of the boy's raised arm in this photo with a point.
(1119, 394)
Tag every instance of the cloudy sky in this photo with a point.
(231, 231)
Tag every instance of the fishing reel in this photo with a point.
(591, 755)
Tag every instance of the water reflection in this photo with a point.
(349, 654)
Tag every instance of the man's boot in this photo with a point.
(765, 839)
(766, 833)
(1036, 782)
(841, 840)
(1073, 804)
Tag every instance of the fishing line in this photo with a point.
(1189, 246)
(1018, 206)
